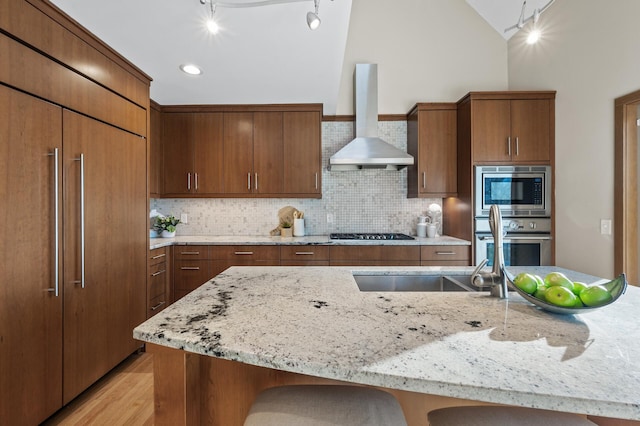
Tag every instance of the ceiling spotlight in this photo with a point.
(212, 25)
(533, 36)
(535, 33)
(313, 21)
(191, 69)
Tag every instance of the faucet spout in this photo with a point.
(495, 223)
(497, 277)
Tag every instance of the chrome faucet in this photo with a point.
(496, 278)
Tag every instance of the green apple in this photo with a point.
(540, 281)
(578, 287)
(560, 296)
(540, 293)
(526, 282)
(595, 295)
(555, 279)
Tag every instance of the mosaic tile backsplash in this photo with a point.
(358, 201)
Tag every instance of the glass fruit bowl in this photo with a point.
(616, 287)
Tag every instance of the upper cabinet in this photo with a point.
(192, 153)
(242, 151)
(510, 127)
(431, 139)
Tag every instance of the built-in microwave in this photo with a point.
(517, 190)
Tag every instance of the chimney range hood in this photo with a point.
(367, 150)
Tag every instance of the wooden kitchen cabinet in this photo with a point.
(156, 175)
(67, 309)
(224, 257)
(192, 153)
(30, 307)
(302, 153)
(379, 255)
(299, 255)
(158, 280)
(512, 127)
(432, 141)
(191, 269)
(445, 255)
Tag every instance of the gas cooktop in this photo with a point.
(370, 236)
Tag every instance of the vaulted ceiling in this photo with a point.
(261, 55)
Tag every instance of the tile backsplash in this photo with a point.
(359, 201)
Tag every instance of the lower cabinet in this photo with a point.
(304, 255)
(445, 255)
(374, 255)
(158, 281)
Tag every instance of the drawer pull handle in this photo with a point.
(158, 256)
(153, 308)
(244, 253)
(190, 253)
(190, 268)
(155, 274)
(445, 252)
(304, 253)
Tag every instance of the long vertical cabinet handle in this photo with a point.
(256, 181)
(517, 146)
(509, 145)
(189, 181)
(82, 227)
(56, 221)
(249, 181)
(316, 180)
(424, 180)
(195, 176)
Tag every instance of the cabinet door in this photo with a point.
(177, 141)
(208, 159)
(189, 275)
(530, 127)
(238, 153)
(491, 130)
(437, 170)
(302, 153)
(30, 312)
(267, 153)
(104, 291)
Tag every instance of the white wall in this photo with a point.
(426, 51)
(590, 55)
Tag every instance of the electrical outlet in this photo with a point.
(330, 218)
(605, 226)
(184, 218)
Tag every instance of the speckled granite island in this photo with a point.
(254, 327)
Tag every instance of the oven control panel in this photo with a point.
(542, 225)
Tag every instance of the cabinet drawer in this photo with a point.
(304, 253)
(190, 274)
(191, 252)
(158, 255)
(242, 253)
(407, 254)
(445, 253)
(157, 280)
(157, 304)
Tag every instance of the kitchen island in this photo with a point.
(254, 327)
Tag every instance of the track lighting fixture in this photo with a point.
(313, 20)
(535, 33)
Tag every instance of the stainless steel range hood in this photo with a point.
(367, 150)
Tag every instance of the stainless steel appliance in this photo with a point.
(370, 236)
(517, 190)
(523, 195)
(526, 242)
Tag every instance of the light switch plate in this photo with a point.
(184, 218)
(605, 226)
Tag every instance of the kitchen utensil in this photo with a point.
(298, 227)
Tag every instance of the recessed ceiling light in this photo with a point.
(191, 69)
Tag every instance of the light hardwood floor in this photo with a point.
(122, 397)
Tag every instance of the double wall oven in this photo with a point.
(523, 194)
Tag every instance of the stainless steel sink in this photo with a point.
(415, 283)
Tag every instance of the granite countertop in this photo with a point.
(315, 321)
(308, 240)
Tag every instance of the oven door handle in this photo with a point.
(510, 238)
